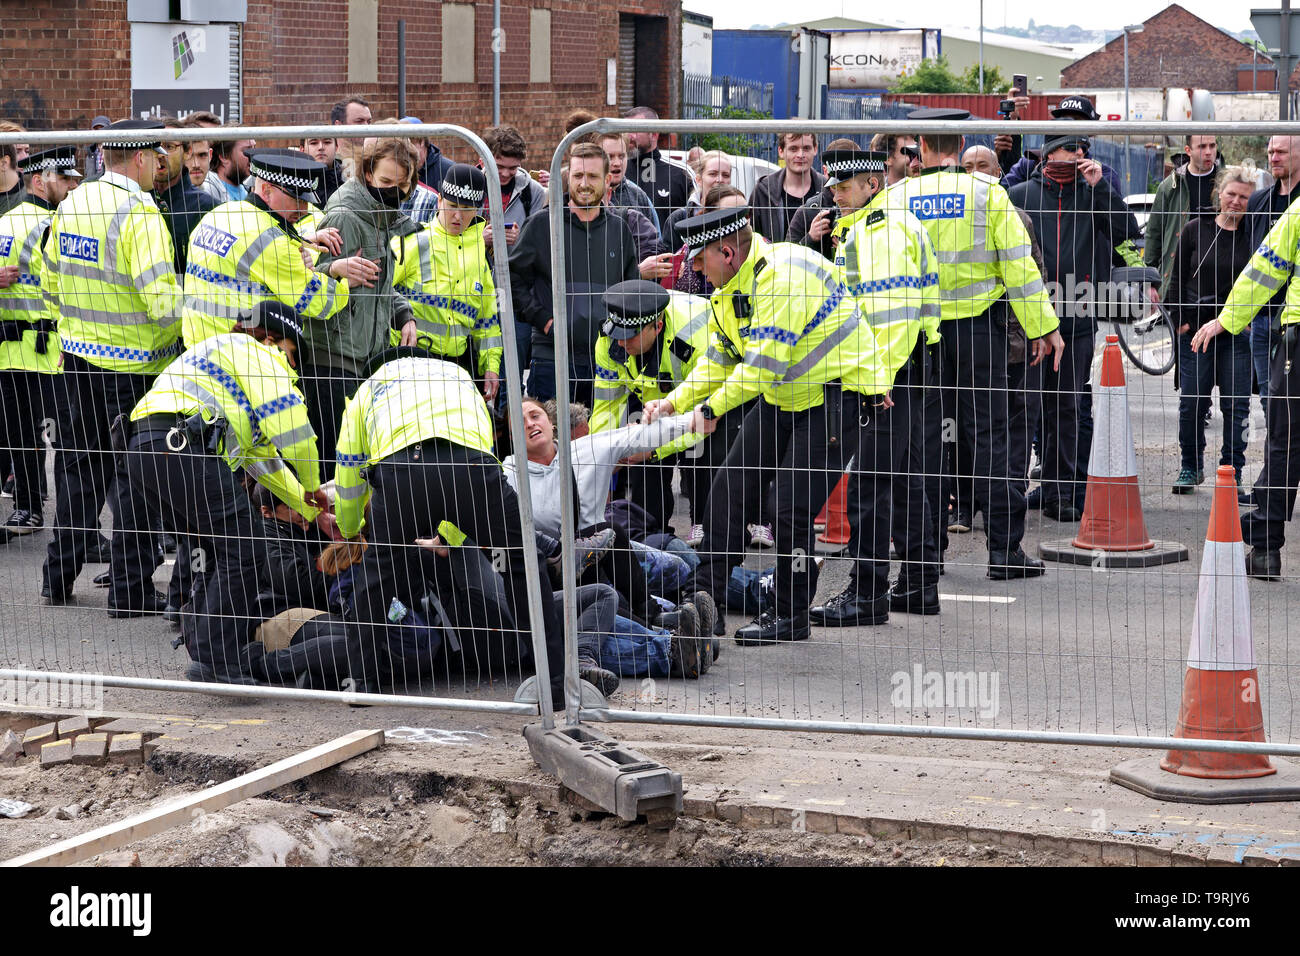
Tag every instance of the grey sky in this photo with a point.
(1231, 15)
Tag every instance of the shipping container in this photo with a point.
(796, 62)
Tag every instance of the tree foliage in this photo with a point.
(936, 76)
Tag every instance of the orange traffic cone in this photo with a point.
(1112, 511)
(1221, 696)
(1221, 688)
(837, 515)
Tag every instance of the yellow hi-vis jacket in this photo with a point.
(248, 389)
(108, 268)
(1272, 265)
(684, 339)
(241, 255)
(803, 331)
(406, 401)
(22, 232)
(448, 283)
(982, 245)
(888, 263)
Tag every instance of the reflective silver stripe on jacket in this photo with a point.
(244, 267)
(823, 348)
(984, 287)
(1261, 278)
(351, 492)
(768, 362)
(292, 437)
(103, 316)
(216, 309)
(1032, 287)
(114, 232)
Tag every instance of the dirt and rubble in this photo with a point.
(337, 819)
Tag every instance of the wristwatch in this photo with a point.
(707, 412)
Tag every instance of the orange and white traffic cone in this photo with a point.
(1221, 687)
(1221, 693)
(1112, 511)
(837, 530)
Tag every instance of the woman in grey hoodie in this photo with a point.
(365, 212)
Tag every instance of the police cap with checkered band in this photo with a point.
(58, 159)
(289, 169)
(131, 134)
(633, 304)
(280, 320)
(463, 184)
(698, 231)
(843, 164)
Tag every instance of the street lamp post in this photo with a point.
(1128, 175)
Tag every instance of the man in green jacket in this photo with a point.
(1184, 191)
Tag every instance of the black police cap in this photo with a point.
(59, 159)
(939, 113)
(278, 319)
(698, 231)
(844, 164)
(464, 185)
(135, 134)
(392, 355)
(291, 170)
(633, 304)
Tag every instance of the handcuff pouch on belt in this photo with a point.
(194, 430)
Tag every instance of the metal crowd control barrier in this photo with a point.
(1131, 658)
(541, 704)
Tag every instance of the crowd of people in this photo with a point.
(287, 365)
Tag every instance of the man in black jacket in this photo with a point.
(1263, 210)
(599, 251)
(1080, 221)
(814, 220)
(778, 196)
(667, 184)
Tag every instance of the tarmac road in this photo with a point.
(1082, 649)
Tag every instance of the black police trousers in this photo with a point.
(197, 494)
(1056, 406)
(88, 399)
(973, 371)
(1275, 488)
(414, 491)
(898, 455)
(805, 452)
(24, 404)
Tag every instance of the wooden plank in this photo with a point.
(184, 809)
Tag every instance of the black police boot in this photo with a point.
(1265, 565)
(849, 608)
(99, 552)
(767, 628)
(914, 600)
(154, 605)
(103, 579)
(1005, 565)
(53, 599)
(201, 673)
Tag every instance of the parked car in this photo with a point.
(745, 170)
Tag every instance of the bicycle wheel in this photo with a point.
(1151, 343)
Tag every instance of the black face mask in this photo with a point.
(390, 196)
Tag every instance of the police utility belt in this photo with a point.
(11, 330)
(183, 432)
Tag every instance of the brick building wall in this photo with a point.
(1175, 48)
(66, 61)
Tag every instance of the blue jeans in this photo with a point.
(635, 651)
(1260, 342)
(1226, 362)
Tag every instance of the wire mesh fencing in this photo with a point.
(255, 406)
(914, 507)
